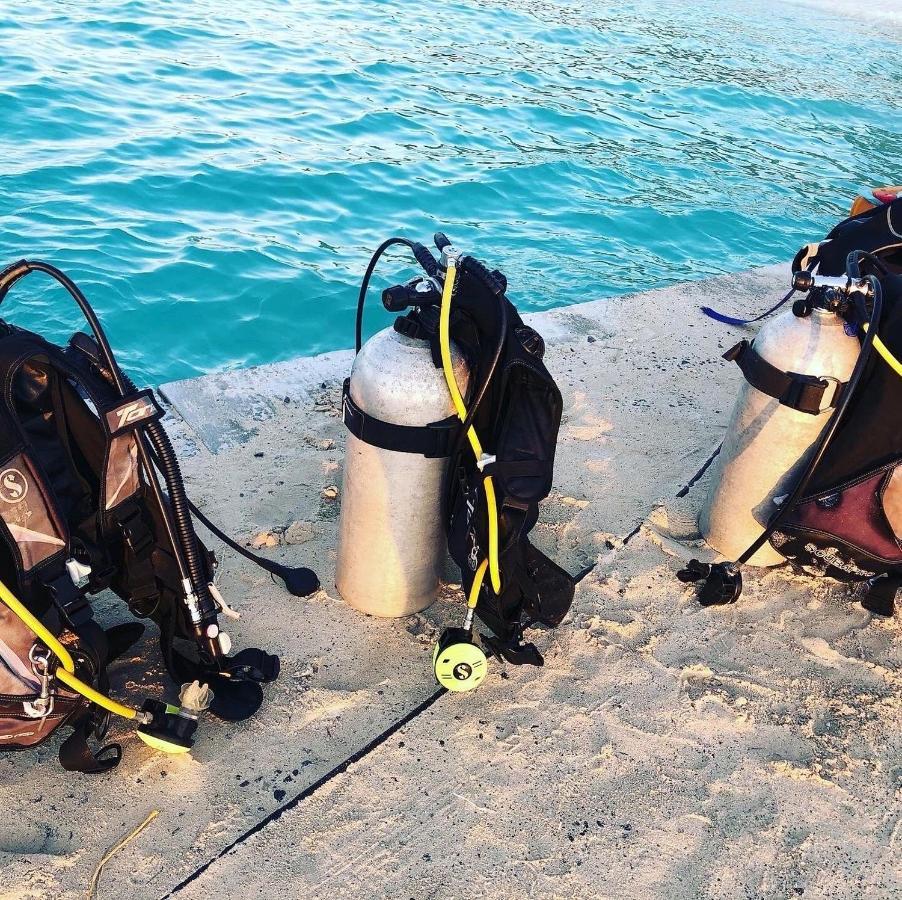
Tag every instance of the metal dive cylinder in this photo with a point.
(391, 543)
(767, 443)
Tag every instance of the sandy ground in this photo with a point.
(663, 751)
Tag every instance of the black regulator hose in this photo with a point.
(423, 257)
(299, 581)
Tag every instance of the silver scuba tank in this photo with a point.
(767, 442)
(391, 543)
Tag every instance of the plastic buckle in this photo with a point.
(352, 416)
(444, 435)
(68, 599)
(798, 395)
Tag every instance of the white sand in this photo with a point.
(664, 750)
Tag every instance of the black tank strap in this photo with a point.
(434, 441)
(804, 393)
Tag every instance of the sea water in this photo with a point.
(215, 175)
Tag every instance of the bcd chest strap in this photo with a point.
(805, 393)
(434, 441)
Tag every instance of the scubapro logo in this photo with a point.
(13, 486)
(462, 671)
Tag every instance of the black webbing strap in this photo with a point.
(516, 468)
(804, 393)
(434, 441)
(138, 573)
(76, 755)
(880, 597)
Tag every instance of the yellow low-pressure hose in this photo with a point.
(476, 587)
(36, 626)
(66, 674)
(95, 696)
(888, 357)
(444, 333)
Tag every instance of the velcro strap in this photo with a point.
(804, 393)
(434, 441)
(76, 755)
(132, 411)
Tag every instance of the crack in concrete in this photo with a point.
(308, 792)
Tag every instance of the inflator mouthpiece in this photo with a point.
(195, 698)
(722, 582)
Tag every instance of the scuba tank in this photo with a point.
(838, 506)
(793, 371)
(495, 455)
(391, 544)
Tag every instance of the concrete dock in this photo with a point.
(664, 750)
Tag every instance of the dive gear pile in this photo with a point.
(830, 495)
(495, 456)
(82, 510)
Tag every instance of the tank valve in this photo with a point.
(802, 281)
(805, 282)
(722, 582)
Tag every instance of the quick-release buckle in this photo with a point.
(808, 393)
(351, 415)
(486, 461)
(68, 598)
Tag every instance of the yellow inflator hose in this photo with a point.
(476, 587)
(66, 673)
(884, 351)
(444, 333)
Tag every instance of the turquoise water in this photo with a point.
(216, 175)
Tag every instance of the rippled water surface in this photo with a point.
(215, 175)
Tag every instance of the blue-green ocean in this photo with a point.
(215, 175)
